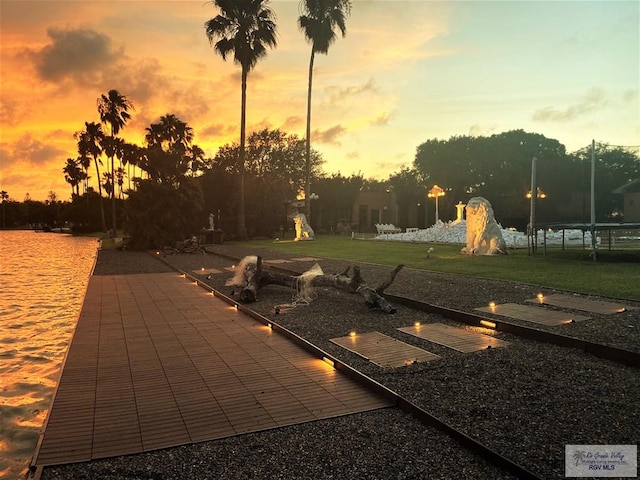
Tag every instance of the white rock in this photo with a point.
(456, 232)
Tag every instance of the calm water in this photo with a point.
(43, 279)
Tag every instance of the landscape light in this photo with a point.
(328, 361)
(487, 324)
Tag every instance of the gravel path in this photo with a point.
(526, 401)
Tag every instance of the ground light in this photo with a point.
(328, 361)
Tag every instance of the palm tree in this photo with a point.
(84, 161)
(4, 195)
(89, 143)
(73, 175)
(318, 20)
(113, 109)
(130, 158)
(245, 28)
(168, 149)
(113, 147)
(171, 133)
(195, 154)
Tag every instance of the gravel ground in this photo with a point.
(526, 401)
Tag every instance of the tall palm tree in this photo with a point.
(245, 28)
(114, 111)
(89, 143)
(318, 22)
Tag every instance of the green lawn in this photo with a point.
(615, 274)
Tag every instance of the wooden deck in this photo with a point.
(157, 361)
(529, 313)
(383, 350)
(580, 303)
(454, 337)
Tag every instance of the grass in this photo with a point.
(616, 274)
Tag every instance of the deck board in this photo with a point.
(529, 313)
(157, 362)
(383, 350)
(453, 337)
(580, 303)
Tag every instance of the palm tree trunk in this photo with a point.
(104, 220)
(113, 192)
(307, 188)
(242, 229)
(113, 199)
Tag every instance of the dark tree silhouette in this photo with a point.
(244, 28)
(318, 22)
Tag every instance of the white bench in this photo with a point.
(384, 228)
(411, 230)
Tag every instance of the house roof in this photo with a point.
(627, 186)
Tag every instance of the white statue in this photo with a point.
(303, 229)
(211, 222)
(484, 236)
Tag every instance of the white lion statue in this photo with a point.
(484, 236)
(303, 229)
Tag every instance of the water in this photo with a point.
(43, 279)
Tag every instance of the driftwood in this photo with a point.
(253, 276)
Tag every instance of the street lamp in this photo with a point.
(436, 192)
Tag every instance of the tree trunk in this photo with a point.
(242, 226)
(104, 221)
(255, 277)
(307, 188)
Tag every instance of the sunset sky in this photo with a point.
(406, 72)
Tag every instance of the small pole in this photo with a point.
(593, 199)
(532, 212)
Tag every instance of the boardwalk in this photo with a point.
(157, 361)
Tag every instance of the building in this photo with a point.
(374, 207)
(631, 200)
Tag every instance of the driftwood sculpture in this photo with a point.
(251, 276)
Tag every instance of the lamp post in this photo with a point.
(286, 204)
(540, 193)
(436, 192)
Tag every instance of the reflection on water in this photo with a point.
(43, 279)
